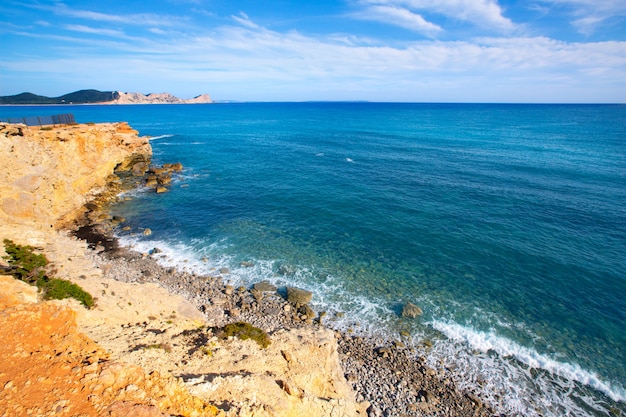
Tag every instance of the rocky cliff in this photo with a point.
(158, 98)
(48, 367)
(47, 175)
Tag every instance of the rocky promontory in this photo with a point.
(157, 98)
(48, 174)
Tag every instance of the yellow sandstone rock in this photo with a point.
(46, 176)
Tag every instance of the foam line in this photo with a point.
(160, 137)
(485, 341)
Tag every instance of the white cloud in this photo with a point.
(95, 31)
(399, 17)
(158, 31)
(590, 14)
(140, 19)
(587, 25)
(244, 20)
(482, 13)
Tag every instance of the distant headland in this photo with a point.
(103, 97)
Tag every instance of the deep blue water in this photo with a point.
(505, 223)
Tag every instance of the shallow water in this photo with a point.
(505, 223)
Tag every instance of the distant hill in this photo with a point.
(77, 97)
(26, 98)
(108, 97)
(89, 96)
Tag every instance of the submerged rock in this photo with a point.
(286, 270)
(411, 311)
(118, 219)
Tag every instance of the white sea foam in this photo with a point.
(555, 380)
(160, 137)
(357, 312)
(349, 160)
(178, 255)
(329, 295)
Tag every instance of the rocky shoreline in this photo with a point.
(388, 378)
(163, 321)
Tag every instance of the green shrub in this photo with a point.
(25, 265)
(245, 331)
(58, 289)
(30, 267)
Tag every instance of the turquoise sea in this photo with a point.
(505, 223)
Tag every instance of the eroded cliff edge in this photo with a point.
(48, 174)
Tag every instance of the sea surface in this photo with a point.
(505, 223)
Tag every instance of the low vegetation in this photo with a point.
(25, 264)
(30, 267)
(58, 289)
(246, 331)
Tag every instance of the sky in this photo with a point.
(538, 51)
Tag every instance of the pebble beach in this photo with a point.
(391, 378)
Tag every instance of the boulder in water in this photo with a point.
(411, 311)
(140, 168)
(286, 269)
(298, 296)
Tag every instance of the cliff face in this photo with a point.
(158, 98)
(46, 176)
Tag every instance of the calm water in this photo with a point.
(505, 223)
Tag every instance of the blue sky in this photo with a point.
(291, 50)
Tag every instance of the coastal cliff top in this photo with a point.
(49, 367)
(49, 173)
